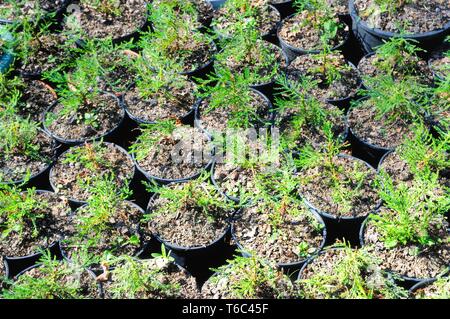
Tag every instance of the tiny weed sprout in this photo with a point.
(345, 273)
(53, 279)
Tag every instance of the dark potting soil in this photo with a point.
(175, 156)
(364, 123)
(266, 19)
(255, 63)
(305, 37)
(308, 133)
(413, 17)
(410, 260)
(129, 17)
(222, 285)
(201, 54)
(440, 64)
(217, 119)
(418, 68)
(159, 276)
(51, 226)
(280, 244)
(121, 226)
(16, 166)
(35, 100)
(46, 54)
(317, 188)
(67, 276)
(119, 76)
(66, 177)
(188, 227)
(159, 107)
(108, 114)
(27, 9)
(313, 66)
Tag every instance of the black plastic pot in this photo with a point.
(404, 281)
(420, 285)
(343, 227)
(74, 203)
(371, 38)
(292, 52)
(15, 265)
(110, 135)
(292, 268)
(201, 72)
(285, 8)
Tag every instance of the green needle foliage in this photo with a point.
(51, 280)
(107, 7)
(19, 210)
(355, 275)
(91, 156)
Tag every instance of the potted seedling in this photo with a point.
(53, 279)
(231, 104)
(397, 58)
(38, 50)
(188, 217)
(259, 61)
(248, 278)
(303, 119)
(336, 80)
(156, 278)
(381, 121)
(260, 14)
(439, 110)
(79, 166)
(26, 150)
(168, 151)
(338, 187)
(314, 26)
(30, 98)
(410, 234)
(378, 20)
(432, 289)
(84, 112)
(440, 63)
(160, 92)
(198, 12)
(120, 20)
(341, 272)
(29, 221)
(277, 225)
(180, 42)
(419, 156)
(107, 225)
(20, 10)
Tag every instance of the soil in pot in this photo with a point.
(346, 273)
(197, 12)
(340, 186)
(313, 29)
(404, 16)
(53, 280)
(397, 58)
(79, 166)
(280, 228)
(103, 19)
(14, 10)
(190, 214)
(248, 278)
(39, 51)
(159, 96)
(410, 234)
(259, 61)
(440, 64)
(36, 96)
(156, 278)
(232, 105)
(25, 149)
(259, 14)
(334, 78)
(439, 289)
(189, 49)
(106, 225)
(170, 151)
